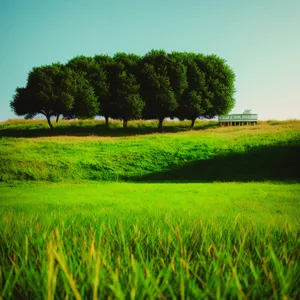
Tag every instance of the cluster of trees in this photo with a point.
(157, 85)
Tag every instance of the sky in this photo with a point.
(259, 39)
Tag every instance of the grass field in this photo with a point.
(206, 214)
(264, 152)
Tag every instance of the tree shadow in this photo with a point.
(97, 130)
(276, 163)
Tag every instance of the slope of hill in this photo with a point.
(79, 151)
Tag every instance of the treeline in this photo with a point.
(128, 87)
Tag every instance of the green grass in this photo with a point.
(30, 128)
(211, 213)
(254, 153)
(126, 240)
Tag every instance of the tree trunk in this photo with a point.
(160, 124)
(49, 122)
(57, 118)
(125, 123)
(193, 123)
(106, 121)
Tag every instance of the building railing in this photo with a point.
(236, 117)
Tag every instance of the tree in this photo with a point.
(94, 72)
(85, 104)
(156, 88)
(129, 104)
(196, 98)
(125, 100)
(177, 72)
(53, 91)
(210, 88)
(129, 61)
(48, 92)
(128, 101)
(103, 91)
(220, 82)
(22, 104)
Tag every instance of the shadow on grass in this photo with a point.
(97, 130)
(278, 163)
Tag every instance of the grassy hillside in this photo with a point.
(86, 150)
(213, 213)
(153, 241)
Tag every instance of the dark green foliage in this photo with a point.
(82, 64)
(125, 89)
(177, 71)
(129, 61)
(129, 102)
(210, 88)
(86, 104)
(158, 85)
(49, 91)
(103, 62)
(94, 72)
(220, 82)
(53, 91)
(161, 85)
(21, 104)
(195, 99)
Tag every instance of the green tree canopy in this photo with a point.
(52, 90)
(210, 88)
(86, 103)
(94, 72)
(127, 86)
(220, 81)
(48, 92)
(156, 88)
(126, 101)
(195, 100)
(104, 90)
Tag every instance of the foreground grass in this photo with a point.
(124, 240)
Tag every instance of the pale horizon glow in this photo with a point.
(258, 39)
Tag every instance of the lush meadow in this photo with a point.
(206, 214)
(252, 153)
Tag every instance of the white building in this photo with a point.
(246, 118)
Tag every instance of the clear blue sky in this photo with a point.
(260, 40)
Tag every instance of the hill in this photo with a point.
(86, 150)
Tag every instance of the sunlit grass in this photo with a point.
(125, 157)
(41, 123)
(85, 237)
(149, 241)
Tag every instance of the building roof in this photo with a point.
(242, 114)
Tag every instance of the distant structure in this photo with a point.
(246, 118)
